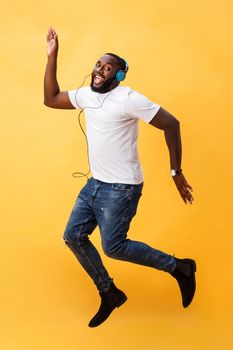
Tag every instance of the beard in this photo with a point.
(105, 87)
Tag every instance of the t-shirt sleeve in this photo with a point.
(75, 98)
(139, 106)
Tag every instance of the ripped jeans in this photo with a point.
(111, 206)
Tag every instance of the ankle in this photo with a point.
(183, 266)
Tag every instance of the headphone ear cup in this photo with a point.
(120, 75)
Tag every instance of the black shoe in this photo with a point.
(111, 299)
(184, 273)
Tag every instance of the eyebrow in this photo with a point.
(105, 62)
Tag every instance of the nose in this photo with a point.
(99, 69)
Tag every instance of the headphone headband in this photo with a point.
(126, 66)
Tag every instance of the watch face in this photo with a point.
(176, 172)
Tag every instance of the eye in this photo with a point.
(108, 68)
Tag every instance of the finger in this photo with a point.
(190, 187)
(189, 198)
(183, 189)
(183, 196)
(187, 188)
(186, 184)
(186, 196)
(55, 37)
(50, 32)
(54, 33)
(49, 35)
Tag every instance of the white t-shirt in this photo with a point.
(112, 131)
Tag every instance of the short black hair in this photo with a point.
(121, 61)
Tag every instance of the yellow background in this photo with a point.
(180, 56)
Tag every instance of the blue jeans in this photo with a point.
(111, 206)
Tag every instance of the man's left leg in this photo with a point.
(115, 206)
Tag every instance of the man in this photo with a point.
(110, 197)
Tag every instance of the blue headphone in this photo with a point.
(121, 74)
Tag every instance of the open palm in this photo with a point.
(52, 42)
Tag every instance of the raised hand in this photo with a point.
(184, 188)
(52, 43)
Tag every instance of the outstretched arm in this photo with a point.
(163, 120)
(53, 97)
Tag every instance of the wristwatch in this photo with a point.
(175, 172)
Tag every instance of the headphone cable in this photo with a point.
(79, 174)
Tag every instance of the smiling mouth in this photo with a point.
(98, 79)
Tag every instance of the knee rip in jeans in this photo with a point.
(66, 241)
(75, 238)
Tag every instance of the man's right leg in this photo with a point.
(82, 223)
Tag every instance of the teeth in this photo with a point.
(98, 79)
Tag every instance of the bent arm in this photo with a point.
(53, 97)
(165, 121)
